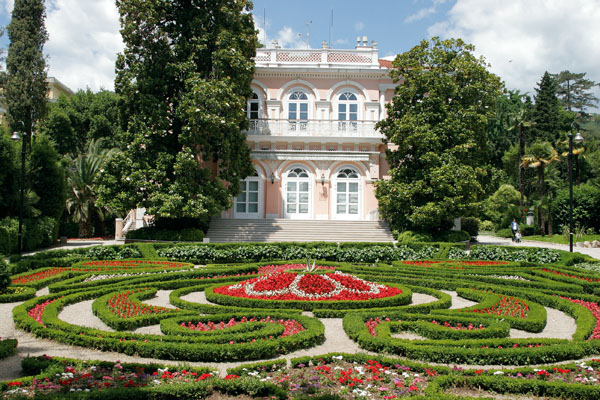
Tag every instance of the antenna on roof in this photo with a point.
(265, 26)
(331, 31)
(307, 34)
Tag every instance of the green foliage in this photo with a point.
(152, 233)
(470, 225)
(47, 178)
(9, 175)
(37, 233)
(75, 120)
(487, 226)
(586, 206)
(438, 120)
(534, 255)
(4, 275)
(410, 236)
(184, 84)
(574, 91)
(26, 86)
(502, 206)
(8, 347)
(546, 111)
(206, 253)
(82, 180)
(501, 130)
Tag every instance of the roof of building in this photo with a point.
(385, 63)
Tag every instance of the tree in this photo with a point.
(26, 86)
(539, 156)
(47, 178)
(82, 179)
(502, 206)
(546, 111)
(574, 91)
(438, 120)
(9, 175)
(521, 121)
(185, 78)
(73, 121)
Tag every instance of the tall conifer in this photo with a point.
(546, 111)
(26, 86)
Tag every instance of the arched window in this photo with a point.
(297, 194)
(253, 107)
(298, 106)
(348, 107)
(347, 186)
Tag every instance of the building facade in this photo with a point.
(312, 134)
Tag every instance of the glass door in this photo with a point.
(347, 195)
(247, 203)
(297, 195)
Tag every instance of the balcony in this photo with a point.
(313, 128)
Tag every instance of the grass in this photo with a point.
(561, 239)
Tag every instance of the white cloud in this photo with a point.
(83, 41)
(359, 26)
(286, 37)
(424, 12)
(523, 38)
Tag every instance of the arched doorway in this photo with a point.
(297, 194)
(347, 194)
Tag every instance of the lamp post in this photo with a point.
(578, 139)
(15, 136)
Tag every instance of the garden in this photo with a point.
(302, 320)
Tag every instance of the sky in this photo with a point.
(520, 39)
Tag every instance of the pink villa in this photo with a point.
(312, 134)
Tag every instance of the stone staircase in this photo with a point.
(285, 230)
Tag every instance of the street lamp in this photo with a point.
(578, 139)
(15, 136)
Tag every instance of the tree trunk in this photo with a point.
(549, 221)
(541, 194)
(521, 168)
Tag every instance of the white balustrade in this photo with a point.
(326, 128)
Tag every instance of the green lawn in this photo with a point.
(558, 238)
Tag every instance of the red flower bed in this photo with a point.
(291, 327)
(37, 311)
(508, 306)
(583, 278)
(21, 280)
(122, 306)
(594, 308)
(311, 287)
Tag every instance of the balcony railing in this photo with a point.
(327, 128)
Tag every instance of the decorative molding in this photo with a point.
(303, 155)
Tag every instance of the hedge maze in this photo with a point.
(400, 308)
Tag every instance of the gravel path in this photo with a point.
(558, 326)
(457, 301)
(161, 299)
(81, 314)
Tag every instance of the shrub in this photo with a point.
(470, 225)
(4, 275)
(528, 230)
(9, 228)
(153, 233)
(486, 226)
(411, 236)
(586, 206)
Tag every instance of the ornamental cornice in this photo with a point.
(278, 73)
(286, 155)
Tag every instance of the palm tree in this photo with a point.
(539, 156)
(521, 121)
(81, 200)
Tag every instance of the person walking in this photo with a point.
(514, 227)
